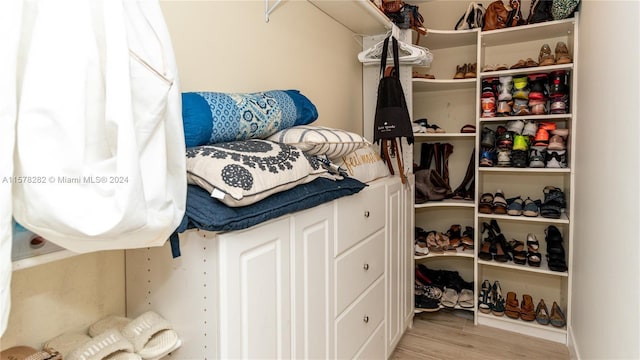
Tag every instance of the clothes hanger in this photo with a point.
(408, 54)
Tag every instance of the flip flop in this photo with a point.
(151, 335)
(110, 345)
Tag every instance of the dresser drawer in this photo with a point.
(358, 268)
(359, 215)
(374, 347)
(357, 324)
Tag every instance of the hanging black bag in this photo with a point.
(392, 120)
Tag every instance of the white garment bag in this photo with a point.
(99, 142)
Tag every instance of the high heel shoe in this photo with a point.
(555, 251)
(467, 238)
(557, 317)
(542, 313)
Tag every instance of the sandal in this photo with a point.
(486, 203)
(484, 298)
(512, 308)
(417, 75)
(527, 311)
(518, 251)
(515, 207)
(530, 208)
(534, 257)
(485, 250)
(499, 203)
(554, 201)
(497, 306)
(467, 238)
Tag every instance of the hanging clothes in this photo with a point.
(99, 154)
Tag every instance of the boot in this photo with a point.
(437, 158)
(447, 150)
(460, 192)
(426, 155)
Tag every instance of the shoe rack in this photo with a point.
(451, 103)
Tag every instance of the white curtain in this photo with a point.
(92, 127)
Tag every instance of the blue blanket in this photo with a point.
(206, 213)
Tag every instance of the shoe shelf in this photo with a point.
(441, 307)
(420, 84)
(526, 117)
(531, 328)
(533, 32)
(446, 203)
(525, 71)
(509, 169)
(564, 219)
(37, 258)
(543, 269)
(459, 253)
(444, 39)
(443, 136)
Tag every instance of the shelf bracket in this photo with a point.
(268, 10)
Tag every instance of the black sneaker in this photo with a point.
(519, 158)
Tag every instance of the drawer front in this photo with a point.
(356, 325)
(374, 347)
(357, 269)
(359, 215)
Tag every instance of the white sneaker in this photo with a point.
(421, 249)
(504, 158)
(530, 128)
(515, 126)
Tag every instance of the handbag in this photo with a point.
(430, 186)
(473, 18)
(562, 9)
(392, 6)
(498, 16)
(392, 120)
(540, 11)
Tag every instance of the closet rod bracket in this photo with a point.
(268, 10)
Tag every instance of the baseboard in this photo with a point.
(573, 349)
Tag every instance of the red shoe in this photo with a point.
(542, 137)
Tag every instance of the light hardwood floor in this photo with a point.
(446, 335)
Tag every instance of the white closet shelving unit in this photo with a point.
(508, 46)
(448, 103)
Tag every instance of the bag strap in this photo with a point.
(396, 58)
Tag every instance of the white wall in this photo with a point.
(227, 46)
(606, 272)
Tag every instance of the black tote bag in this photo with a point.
(392, 121)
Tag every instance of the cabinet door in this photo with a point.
(395, 263)
(255, 320)
(407, 249)
(312, 248)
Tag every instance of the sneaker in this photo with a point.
(521, 87)
(520, 143)
(542, 138)
(504, 108)
(530, 128)
(519, 158)
(421, 248)
(490, 88)
(488, 107)
(504, 158)
(559, 104)
(536, 156)
(556, 142)
(556, 159)
(538, 107)
(537, 86)
(520, 107)
(488, 157)
(488, 138)
(547, 125)
(505, 141)
(505, 87)
(515, 126)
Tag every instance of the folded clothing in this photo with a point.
(215, 117)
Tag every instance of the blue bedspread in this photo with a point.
(206, 213)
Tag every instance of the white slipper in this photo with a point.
(110, 345)
(151, 335)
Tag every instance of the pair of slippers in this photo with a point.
(147, 337)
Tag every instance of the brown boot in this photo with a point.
(562, 54)
(460, 71)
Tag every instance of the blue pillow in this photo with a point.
(214, 117)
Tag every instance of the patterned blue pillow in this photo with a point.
(213, 117)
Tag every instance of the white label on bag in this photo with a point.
(217, 194)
